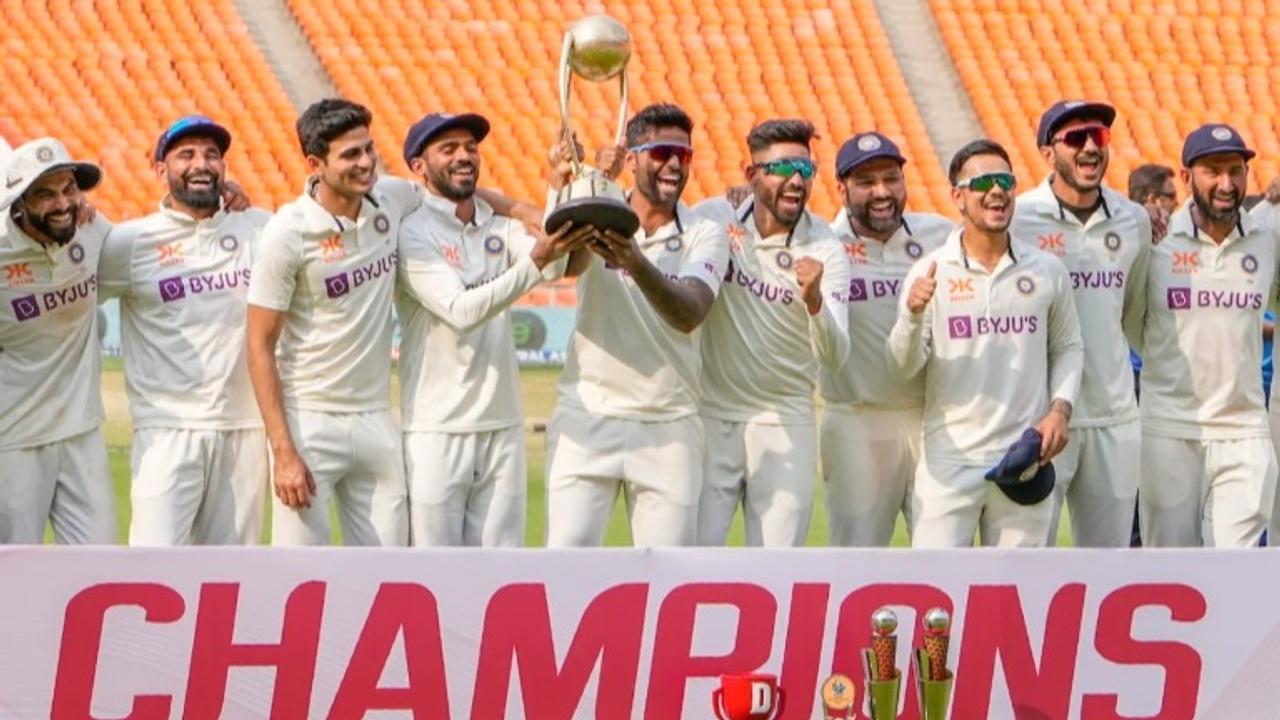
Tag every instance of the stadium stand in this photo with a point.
(106, 77)
(1167, 67)
(730, 63)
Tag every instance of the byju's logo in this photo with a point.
(857, 290)
(1179, 298)
(337, 285)
(960, 327)
(171, 288)
(26, 307)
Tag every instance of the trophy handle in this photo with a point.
(622, 109)
(566, 76)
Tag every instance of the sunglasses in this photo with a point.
(1077, 137)
(786, 167)
(661, 152)
(984, 183)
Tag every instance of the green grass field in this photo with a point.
(538, 386)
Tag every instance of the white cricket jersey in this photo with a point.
(1107, 259)
(334, 278)
(183, 285)
(876, 273)
(624, 360)
(995, 347)
(458, 370)
(1202, 341)
(761, 350)
(50, 363)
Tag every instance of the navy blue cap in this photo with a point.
(864, 147)
(1020, 475)
(1211, 139)
(1064, 110)
(189, 125)
(434, 124)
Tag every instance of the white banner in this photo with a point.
(338, 633)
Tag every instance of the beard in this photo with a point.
(1065, 169)
(44, 225)
(196, 198)
(862, 213)
(1204, 203)
(658, 195)
(788, 217)
(455, 191)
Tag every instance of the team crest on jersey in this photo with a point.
(674, 244)
(914, 250)
(452, 255)
(494, 245)
(857, 253)
(1249, 263)
(381, 223)
(1026, 285)
(1186, 263)
(1111, 241)
(18, 275)
(332, 250)
(1055, 243)
(960, 289)
(784, 260)
(228, 243)
(171, 254)
(76, 253)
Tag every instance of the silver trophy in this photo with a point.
(596, 48)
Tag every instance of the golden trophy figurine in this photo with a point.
(596, 48)
(883, 678)
(933, 679)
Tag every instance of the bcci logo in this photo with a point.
(1026, 285)
(1249, 263)
(45, 154)
(1111, 241)
(493, 245)
(674, 244)
(76, 253)
(229, 243)
(869, 143)
(784, 260)
(25, 308)
(960, 327)
(1222, 133)
(914, 251)
(337, 285)
(171, 288)
(381, 223)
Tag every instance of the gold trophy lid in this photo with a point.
(838, 693)
(601, 47)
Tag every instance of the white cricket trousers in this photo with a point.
(869, 459)
(356, 459)
(950, 501)
(1097, 476)
(198, 487)
(66, 483)
(1212, 493)
(466, 488)
(768, 469)
(657, 466)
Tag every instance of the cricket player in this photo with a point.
(992, 324)
(782, 316)
(319, 339)
(626, 419)
(871, 424)
(461, 266)
(53, 460)
(1208, 464)
(199, 459)
(1104, 240)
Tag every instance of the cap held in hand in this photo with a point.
(1020, 474)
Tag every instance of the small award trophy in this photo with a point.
(839, 698)
(883, 679)
(933, 679)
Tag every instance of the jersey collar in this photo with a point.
(1182, 223)
(316, 219)
(446, 208)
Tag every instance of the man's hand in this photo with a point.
(618, 251)
(1159, 223)
(563, 241)
(85, 213)
(610, 161)
(922, 290)
(292, 478)
(1053, 430)
(560, 161)
(234, 198)
(809, 277)
(736, 194)
(1273, 191)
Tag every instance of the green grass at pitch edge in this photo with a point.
(538, 389)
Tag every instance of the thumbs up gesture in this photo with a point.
(922, 290)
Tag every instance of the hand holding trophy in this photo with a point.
(596, 48)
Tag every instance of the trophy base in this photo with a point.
(604, 213)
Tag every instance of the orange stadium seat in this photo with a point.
(107, 77)
(730, 63)
(1168, 67)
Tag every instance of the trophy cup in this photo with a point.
(839, 698)
(883, 679)
(933, 679)
(596, 48)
